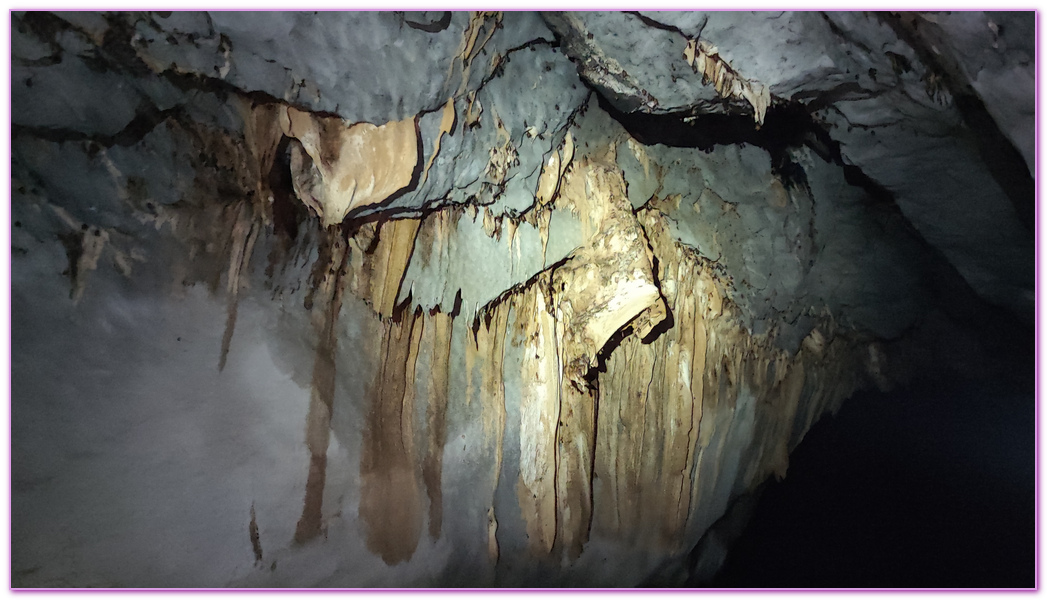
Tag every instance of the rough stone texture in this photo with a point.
(288, 55)
(892, 114)
(921, 152)
(996, 54)
(445, 269)
(387, 299)
(606, 51)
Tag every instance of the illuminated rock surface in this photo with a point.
(481, 299)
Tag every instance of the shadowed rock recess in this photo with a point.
(483, 298)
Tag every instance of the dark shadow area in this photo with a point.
(932, 486)
(787, 125)
(1003, 160)
(288, 212)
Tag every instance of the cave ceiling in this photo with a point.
(625, 258)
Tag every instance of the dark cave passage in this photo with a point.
(927, 487)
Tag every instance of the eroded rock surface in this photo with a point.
(447, 298)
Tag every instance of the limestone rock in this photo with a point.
(481, 298)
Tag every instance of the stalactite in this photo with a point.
(651, 390)
(574, 458)
(471, 353)
(390, 502)
(491, 348)
(262, 136)
(608, 282)
(256, 540)
(682, 403)
(600, 289)
(244, 235)
(438, 337)
(534, 331)
(553, 170)
(387, 262)
(668, 429)
(645, 407)
(705, 58)
(326, 306)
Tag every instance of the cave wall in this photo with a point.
(388, 299)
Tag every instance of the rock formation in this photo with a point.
(450, 298)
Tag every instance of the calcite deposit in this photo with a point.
(477, 298)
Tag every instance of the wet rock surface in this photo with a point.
(449, 298)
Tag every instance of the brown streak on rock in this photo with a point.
(574, 459)
(256, 541)
(321, 403)
(388, 262)
(390, 502)
(244, 235)
(309, 525)
(436, 417)
(491, 345)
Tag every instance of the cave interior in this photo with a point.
(523, 299)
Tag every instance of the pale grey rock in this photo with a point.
(102, 186)
(79, 90)
(639, 185)
(480, 267)
(888, 123)
(70, 178)
(634, 66)
(822, 249)
(71, 96)
(459, 172)
(867, 266)
(945, 192)
(996, 53)
(94, 24)
(363, 66)
(788, 51)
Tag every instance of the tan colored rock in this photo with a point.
(344, 166)
(539, 412)
(391, 500)
(705, 58)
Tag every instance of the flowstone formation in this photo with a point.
(448, 298)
